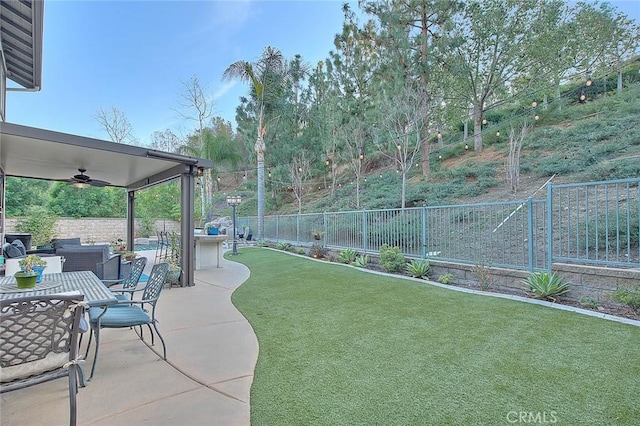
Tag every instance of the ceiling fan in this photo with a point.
(83, 181)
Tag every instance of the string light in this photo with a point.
(440, 157)
(361, 156)
(582, 96)
(484, 121)
(589, 82)
(326, 162)
(466, 146)
(536, 117)
(399, 147)
(534, 103)
(498, 133)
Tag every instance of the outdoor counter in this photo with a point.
(208, 250)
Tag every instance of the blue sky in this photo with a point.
(135, 56)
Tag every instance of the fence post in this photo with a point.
(424, 231)
(324, 226)
(549, 226)
(531, 232)
(365, 239)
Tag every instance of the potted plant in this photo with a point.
(173, 276)
(211, 228)
(31, 273)
(129, 255)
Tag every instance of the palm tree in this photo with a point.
(264, 75)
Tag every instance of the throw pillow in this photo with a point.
(18, 244)
(11, 251)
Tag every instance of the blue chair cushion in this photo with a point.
(122, 297)
(143, 278)
(124, 316)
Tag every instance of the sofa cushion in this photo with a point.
(57, 243)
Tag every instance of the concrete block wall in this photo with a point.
(95, 230)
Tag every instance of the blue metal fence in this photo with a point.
(589, 223)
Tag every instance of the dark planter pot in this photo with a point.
(26, 279)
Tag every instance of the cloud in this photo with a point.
(226, 87)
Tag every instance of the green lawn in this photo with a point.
(339, 346)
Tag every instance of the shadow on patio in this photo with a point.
(211, 351)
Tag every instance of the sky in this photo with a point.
(136, 56)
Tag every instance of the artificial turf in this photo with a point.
(340, 346)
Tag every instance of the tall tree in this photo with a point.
(196, 106)
(264, 76)
(412, 36)
(402, 128)
(487, 52)
(116, 125)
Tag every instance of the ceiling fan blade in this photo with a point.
(98, 183)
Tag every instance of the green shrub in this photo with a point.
(317, 251)
(628, 296)
(361, 261)
(391, 258)
(544, 285)
(284, 246)
(445, 278)
(419, 268)
(589, 302)
(40, 223)
(300, 251)
(262, 243)
(347, 256)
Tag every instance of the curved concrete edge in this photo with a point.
(560, 306)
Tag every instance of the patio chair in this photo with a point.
(130, 282)
(131, 313)
(39, 342)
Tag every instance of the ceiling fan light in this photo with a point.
(80, 185)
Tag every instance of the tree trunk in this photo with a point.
(619, 77)
(260, 149)
(426, 169)
(358, 192)
(477, 128)
(404, 188)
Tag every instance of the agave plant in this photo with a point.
(347, 256)
(545, 285)
(361, 261)
(419, 268)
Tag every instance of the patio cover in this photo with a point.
(43, 154)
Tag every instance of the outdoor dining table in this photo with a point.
(85, 282)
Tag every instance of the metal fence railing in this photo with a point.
(589, 223)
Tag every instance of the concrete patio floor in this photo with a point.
(211, 355)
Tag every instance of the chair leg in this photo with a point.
(73, 390)
(95, 355)
(164, 347)
(86, 353)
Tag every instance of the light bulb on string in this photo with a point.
(484, 121)
(498, 133)
(589, 82)
(536, 117)
(466, 146)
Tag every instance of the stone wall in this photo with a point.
(94, 230)
(595, 283)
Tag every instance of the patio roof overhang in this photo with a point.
(21, 28)
(43, 154)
